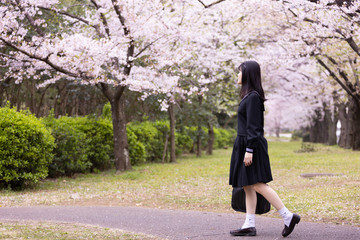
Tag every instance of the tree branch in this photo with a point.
(333, 75)
(349, 40)
(211, 4)
(105, 88)
(120, 16)
(353, 45)
(96, 27)
(146, 47)
(45, 60)
(342, 74)
(103, 19)
(30, 19)
(131, 47)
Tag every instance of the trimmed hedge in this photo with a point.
(25, 149)
(153, 136)
(137, 150)
(70, 154)
(31, 149)
(99, 141)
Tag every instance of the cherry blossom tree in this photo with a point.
(109, 44)
(330, 31)
(113, 45)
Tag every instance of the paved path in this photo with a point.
(176, 224)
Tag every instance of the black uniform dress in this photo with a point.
(250, 137)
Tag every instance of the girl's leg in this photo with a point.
(269, 194)
(250, 199)
(275, 200)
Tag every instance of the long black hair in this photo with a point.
(251, 79)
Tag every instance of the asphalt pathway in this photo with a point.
(177, 224)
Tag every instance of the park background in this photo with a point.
(96, 95)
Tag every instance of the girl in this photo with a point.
(250, 165)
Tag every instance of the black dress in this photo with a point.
(250, 138)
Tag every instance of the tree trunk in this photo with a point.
(165, 148)
(331, 121)
(172, 133)
(198, 141)
(38, 109)
(354, 112)
(316, 129)
(121, 147)
(3, 85)
(277, 131)
(344, 130)
(210, 139)
(199, 130)
(228, 121)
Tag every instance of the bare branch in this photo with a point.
(353, 45)
(211, 4)
(146, 47)
(342, 74)
(333, 75)
(356, 75)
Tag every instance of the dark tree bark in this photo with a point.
(40, 104)
(210, 139)
(172, 132)
(199, 130)
(3, 85)
(324, 126)
(198, 141)
(331, 120)
(344, 139)
(165, 148)
(121, 147)
(354, 112)
(316, 129)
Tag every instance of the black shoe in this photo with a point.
(287, 230)
(251, 231)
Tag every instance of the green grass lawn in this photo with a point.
(202, 184)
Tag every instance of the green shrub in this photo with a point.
(223, 138)
(25, 149)
(106, 112)
(306, 147)
(136, 148)
(183, 143)
(99, 141)
(70, 154)
(149, 136)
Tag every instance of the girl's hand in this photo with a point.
(248, 159)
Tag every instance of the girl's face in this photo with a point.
(239, 81)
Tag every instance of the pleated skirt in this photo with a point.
(258, 171)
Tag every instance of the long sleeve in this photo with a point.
(254, 121)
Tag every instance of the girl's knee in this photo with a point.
(249, 188)
(259, 187)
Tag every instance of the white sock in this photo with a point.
(249, 221)
(286, 215)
